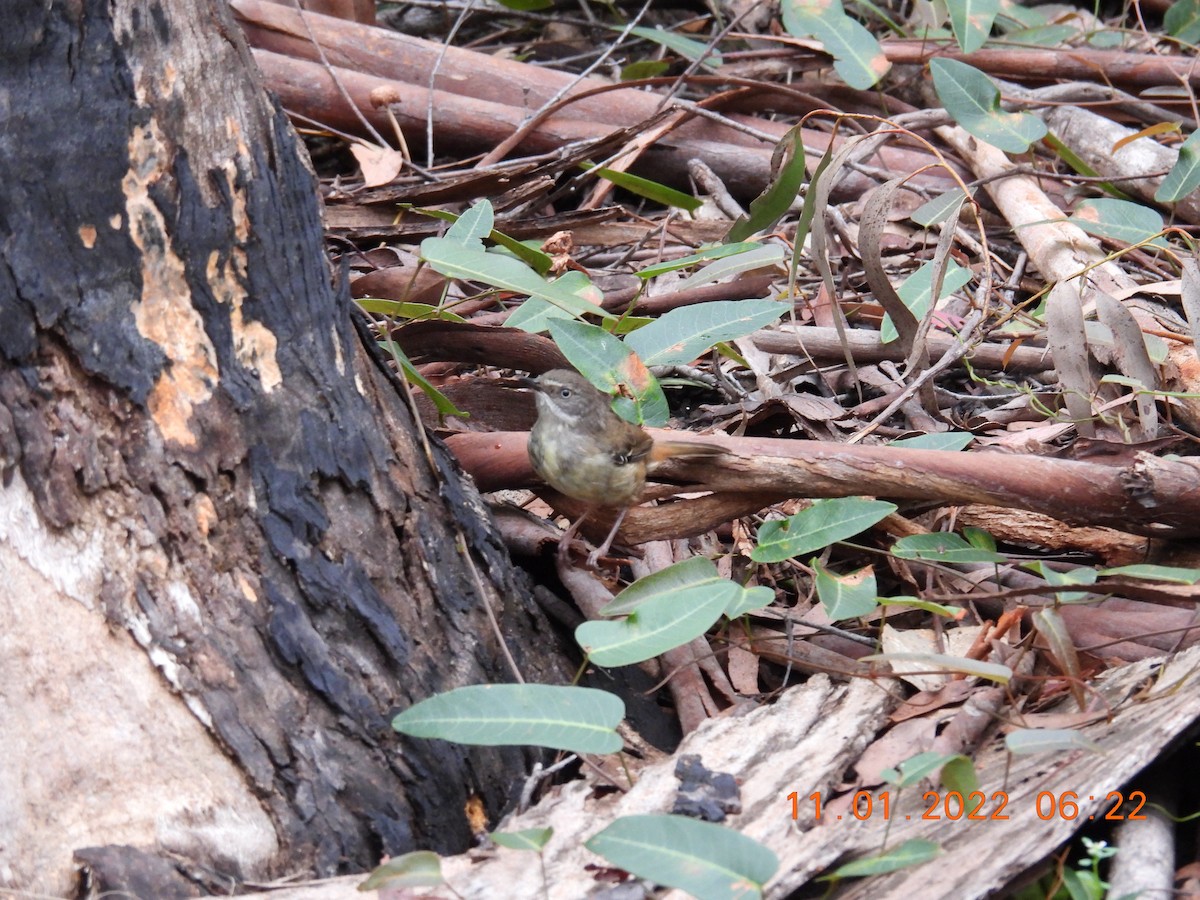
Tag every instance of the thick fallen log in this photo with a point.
(479, 100)
(1150, 496)
(1139, 164)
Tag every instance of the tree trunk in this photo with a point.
(228, 554)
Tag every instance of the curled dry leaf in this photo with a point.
(1068, 342)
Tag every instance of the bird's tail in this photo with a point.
(664, 450)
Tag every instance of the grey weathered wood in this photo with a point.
(1152, 705)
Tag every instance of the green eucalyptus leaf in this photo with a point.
(917, 289)
(718, 251)
(697, 573)
(1121, 220)
(645, 187)
(471, 227)
(974, 101)
(939, 209)
(823, 523)
(913, 852)
(406, 309)
(917, 768)
(677, 337)
(1048, 740)
(576, 719)
(608, 363)
(677, 43)
(788, 168)
(857, 56)
(972, 22)
(1042, 36)
(1150, 572)
(1107, 38)
(958, 774)
(979, 538)
(707, 861)
(657, 625)
(443, 404)
(590, 349)
(748, 600)
(534, 839)
(1085, 576)
(1184, 176)
(421, 868)
(846, 596)
(944, 547)
(569, 296)
(945, 440)
(479, 223)
(757, 257)
(645, 68)
(1182, 21)
(938, 609)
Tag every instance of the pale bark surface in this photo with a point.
(227, 556)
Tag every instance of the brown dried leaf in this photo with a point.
(743, 670)
(924, 640)
(1130, 356)
(870, 231)
(379, 165)
(1189, 286)
(1068, 342)
(401, 283)
(902, 741)
(923, 703)
(1050, 625)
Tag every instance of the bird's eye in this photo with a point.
(565, 393)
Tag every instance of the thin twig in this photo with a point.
(560, 98)
(958, 350)
(458, 22)
(337, 82)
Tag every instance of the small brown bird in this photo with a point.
(583, 449)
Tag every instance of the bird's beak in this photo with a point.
(527, 382)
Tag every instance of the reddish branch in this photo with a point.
(1149, 496)
(480, 100)
(471, 342)
(1131, 70)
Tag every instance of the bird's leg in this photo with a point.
(595, 555)
(564, 542)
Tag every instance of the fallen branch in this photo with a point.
(1133, 70)
(479, 100)
(469, 342)
(824, 345)
(1151, 496)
